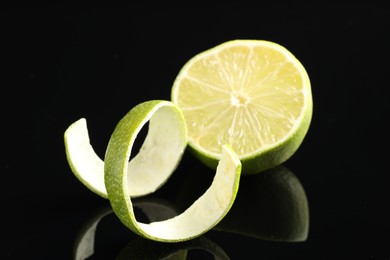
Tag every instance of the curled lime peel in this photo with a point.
(119, 179)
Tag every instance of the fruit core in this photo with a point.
(239, 99)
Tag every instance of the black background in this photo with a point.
(64, 62)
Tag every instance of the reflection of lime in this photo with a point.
(272, 206)
(252, 94)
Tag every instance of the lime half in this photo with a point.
(254, 95)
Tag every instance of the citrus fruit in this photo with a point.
(254, 95)
(120, 179)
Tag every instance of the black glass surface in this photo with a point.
(64, 62)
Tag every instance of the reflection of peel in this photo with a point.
(154, 210)
(84, 244)
(271, 205)
(142, 248)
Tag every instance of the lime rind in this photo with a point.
(150, 168)
(119, 179)
(161, 150)
(84, 162)
(208, 210)
(203, 214)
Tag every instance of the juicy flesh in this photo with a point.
(245, 96)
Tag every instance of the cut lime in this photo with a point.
(251, 94)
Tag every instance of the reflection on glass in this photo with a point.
(85, 241)
(271, 205)
(140, 248)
